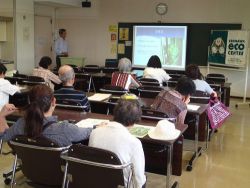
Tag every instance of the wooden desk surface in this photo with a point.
(78, 116)
(74, 115)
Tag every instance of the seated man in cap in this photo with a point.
(115, 137)
(67, 92)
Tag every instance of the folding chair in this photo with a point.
(114, 90)
(156, 115)
(172, 82)
(109, 69)
(111, 63)
(93, 168)
(149, 82)
(176, 76)
(12, 80)
(217, 78)
(200, 97)
(149, 91)
(70, 105)
(1, 146)
(17, 75)
(34, 80)
(20, 78)
(87, 80)
(40, 160)
(92, 69)
(111, 104)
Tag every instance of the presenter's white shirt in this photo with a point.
(6, 89)
(61, 46)
(202, 85)
(156, 73)
(116, 138)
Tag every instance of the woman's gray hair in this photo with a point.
(124, 65)
(67, 75)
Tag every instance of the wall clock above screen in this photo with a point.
(161, 9)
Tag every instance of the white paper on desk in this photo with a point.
(140, 131)
(193, 107)
(22, 87)
(99, 97)
(89, 122)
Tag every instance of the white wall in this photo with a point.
(25, 36)
(7, 47)
(88, 33)
(7, 52)
(6, 8)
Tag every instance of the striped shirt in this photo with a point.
(69, 93)
(47, 75)
(124, 80)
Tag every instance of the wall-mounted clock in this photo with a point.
(161, 8)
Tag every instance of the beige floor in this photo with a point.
(225, 164)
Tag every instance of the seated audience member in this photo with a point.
(6, 88)
(38, 120)
(67, 92)
(115, 137)
(7, 109)
(174, 102)
(194, 73)
(44, 72)
(154, 70)
(124, 78)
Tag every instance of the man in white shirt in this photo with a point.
(6, 88)
(115, 137)
(61, 47)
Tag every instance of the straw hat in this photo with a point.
(164, 130)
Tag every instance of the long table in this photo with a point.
(199, 131)
(146, 141)
(200, 125)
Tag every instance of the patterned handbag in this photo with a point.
(217, 113)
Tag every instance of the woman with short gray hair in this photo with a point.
(124, 78)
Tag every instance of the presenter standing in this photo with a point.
(61, 47)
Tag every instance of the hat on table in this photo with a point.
(164, 130)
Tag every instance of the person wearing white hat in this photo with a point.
(174, 102)
(115, 137)
(164, 130)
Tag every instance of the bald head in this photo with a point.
(67, 75)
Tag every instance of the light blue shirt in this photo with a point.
(61, 46)
(202, 85)
(63, 133)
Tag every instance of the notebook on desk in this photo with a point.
(193, 107)
(99, 97)
(90, 123)
(140, 131)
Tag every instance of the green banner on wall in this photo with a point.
(228, 48)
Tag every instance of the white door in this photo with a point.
(43, 38)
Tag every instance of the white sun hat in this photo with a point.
(164, 130)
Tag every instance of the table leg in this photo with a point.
(169, 168)
(198, 149)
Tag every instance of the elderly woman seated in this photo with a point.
(124, 78)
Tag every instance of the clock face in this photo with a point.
(161, 8)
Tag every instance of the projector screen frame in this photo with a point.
(162, 25)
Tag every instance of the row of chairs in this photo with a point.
(44, 163)
(93, 69)
(22, 79)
